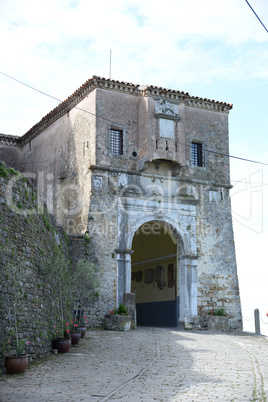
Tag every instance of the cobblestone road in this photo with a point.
(148, 364)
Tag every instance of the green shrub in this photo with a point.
(218, 311)
(121, 310)
(3, 170)
(46, 222)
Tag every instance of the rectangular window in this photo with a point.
(197, 154)
(116, 141)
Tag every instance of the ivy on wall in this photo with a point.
(39, 287)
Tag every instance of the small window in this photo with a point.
(197, 154)
(116, 142)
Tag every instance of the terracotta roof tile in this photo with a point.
(139, 90)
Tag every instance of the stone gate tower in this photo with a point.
(143, 170)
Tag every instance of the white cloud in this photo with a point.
(58, 44)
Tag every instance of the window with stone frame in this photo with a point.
(197, 154)
(116, 141)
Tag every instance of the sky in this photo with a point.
(211, 49)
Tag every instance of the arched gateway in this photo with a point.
(160, 268)
(154, 274)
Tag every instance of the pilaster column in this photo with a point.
(123, 273)
(188, 288)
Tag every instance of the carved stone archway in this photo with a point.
(186, 263)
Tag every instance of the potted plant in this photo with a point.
(84, 285)
(14, 347)
(217, 320)
(61, 340)
(58, 274)
(82, 324)
(75, 332)
(117, 319)
(16, 359)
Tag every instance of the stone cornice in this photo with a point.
(186, 98)
(188, 257)
(10, 140)
(124, 87)
(127, 251)
(106, 168)
(166, 116)
(160, 92)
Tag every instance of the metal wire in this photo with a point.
(257, 16)
(266, 323)
(247, 319)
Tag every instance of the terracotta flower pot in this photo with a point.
(75, 337)
(83, 331)
(16, 364)
(61, 344)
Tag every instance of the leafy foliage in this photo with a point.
(57, 273)
(12, 275)
(5, 171)
(85, 280)
(218, 311)
(121, 310)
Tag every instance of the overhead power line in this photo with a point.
(111, 121)
(236, 157)
(52, 97)
(257, 16)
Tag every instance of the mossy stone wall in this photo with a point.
(29, 240)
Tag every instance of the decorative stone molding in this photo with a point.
(122, 179)
(97, 182)
(188, 257)
(166, 110)
(213, 196)
(10, 140)
(161, 176)
(127, 251)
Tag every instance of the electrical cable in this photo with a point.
(111, 121)
(236, 157)
(257, 16)
(249, 182)
(263, 321)
(232, 181)
(53, 97)
(247, 319)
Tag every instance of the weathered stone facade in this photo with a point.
(115, 157)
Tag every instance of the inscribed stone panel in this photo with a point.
(166, 128)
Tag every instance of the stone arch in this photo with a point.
(173, 227)
(186, 272)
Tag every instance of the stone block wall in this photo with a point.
(80, 248)
(218, 285)
(29, 240)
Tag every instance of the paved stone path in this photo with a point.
(148, 364)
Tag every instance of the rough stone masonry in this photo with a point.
(143, 170)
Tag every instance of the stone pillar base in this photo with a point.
(129, 301)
